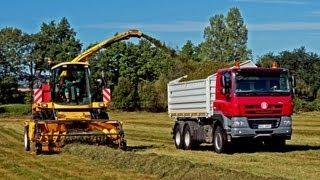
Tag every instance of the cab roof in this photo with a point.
(70, 63)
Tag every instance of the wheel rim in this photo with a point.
(177, 138)
(187, 138)
(25, 140)
(218, 141)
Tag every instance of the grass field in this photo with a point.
(152, 155)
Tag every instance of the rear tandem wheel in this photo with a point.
(177, 137)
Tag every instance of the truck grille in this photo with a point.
(274, 109)
(254, 123)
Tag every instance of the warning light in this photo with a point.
(237, 64)
(274, 65)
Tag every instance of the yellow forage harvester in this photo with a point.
(63, 109)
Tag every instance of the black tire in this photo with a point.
(187, 138)
(26, 138)
(177, 137)
(37, 149)
(123, 145)
(220, 142)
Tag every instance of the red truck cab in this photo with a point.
(255, 103)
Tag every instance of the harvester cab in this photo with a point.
(71, 83)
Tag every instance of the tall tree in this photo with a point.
(56, 41)
(12, 51)
(214, 46)
(226, 38)
(237, 34)
(189, 51)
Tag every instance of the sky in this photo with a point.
(273, 25)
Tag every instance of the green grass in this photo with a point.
(14, 110)
(152, 155)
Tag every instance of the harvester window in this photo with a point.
(71, 85)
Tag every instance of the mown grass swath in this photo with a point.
(152, 155)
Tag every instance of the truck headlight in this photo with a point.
(286, 121)
(238, 122)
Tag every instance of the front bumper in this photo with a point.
(248, 131)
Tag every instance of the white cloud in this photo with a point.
(197, 26)
(181, 26)
(284, 26)
(296, 2)
(315, 13)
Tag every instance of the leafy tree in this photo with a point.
(56, 41)
(148, 96)
(153, 96)
(125, 95)
(12, 51)
(215, 39)
(226, 38)
(305, 66)
(237, 35)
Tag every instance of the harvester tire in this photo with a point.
(26, 138)
(123, 145)
(177, 137)
(220, 142)
(35, 147)
(187, 138)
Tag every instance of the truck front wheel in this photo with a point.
(177, 136)
(220, 142)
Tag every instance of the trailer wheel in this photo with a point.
(26, 138)
(187, 139)
(177, 136)
(220, 142)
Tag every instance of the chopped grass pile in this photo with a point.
(160, 165)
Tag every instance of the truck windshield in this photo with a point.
(262, 83)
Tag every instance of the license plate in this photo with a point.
(264, 126)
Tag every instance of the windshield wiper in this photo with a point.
(255, 93)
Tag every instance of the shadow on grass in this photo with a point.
(141, 148)
(263, 148)
(254, 147)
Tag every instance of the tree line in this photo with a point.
(138, 73)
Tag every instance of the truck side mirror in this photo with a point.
(293, 84)
(226, 82)
(293, 81)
